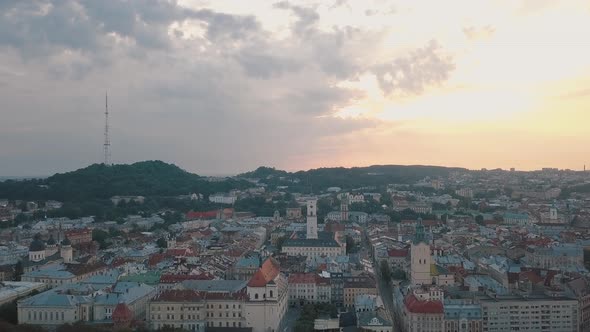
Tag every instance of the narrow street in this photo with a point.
(384, 289)
(386, 293)
(288, 322)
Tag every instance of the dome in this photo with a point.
(37, 245)
(51, 241)
(66, 242)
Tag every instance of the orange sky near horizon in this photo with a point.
(519, 95)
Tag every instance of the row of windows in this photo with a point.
(211, 314)
(263, 295)
(46, 316)
(209, 306)
(227, 324)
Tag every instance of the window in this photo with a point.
(256, 296)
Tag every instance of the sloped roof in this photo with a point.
(398, 253)
(423, 307)
(201, 215)
(122, 313)
(267, 272)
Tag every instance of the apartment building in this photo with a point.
(531, 313)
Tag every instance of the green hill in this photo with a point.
(146, 178)
(322, 178)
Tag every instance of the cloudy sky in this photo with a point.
(224, 86)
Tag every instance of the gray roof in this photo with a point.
(229, 286)
(325, 239)
(126, 292)
(311, 243)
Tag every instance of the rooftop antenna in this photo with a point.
(107, 141)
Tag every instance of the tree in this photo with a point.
(350, 245)
(385, 271)
(18, 270)
(479, 219)
(101, 237)
(8, 312)
(386, 199)
(398, 274)
(280, 241)
(20, 218)
(162, 243)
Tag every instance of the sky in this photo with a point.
(225, 86)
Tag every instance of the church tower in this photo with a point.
(37, 249)
(312, 219)
(344, 208)
(420, 257)
(66, 251)
(553, 212)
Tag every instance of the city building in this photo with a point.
(84, 302)
(268, 295)
(314, 243)
(422, 269)
(462, 315)
(222, 198)
(423, 310)
(533, 312)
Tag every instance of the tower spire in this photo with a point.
(107, 141)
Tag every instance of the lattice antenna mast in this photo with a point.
(107, 140)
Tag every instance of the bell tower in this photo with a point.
(312, 219)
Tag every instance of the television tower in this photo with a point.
(107, 140)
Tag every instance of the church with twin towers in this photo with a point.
(313, 242)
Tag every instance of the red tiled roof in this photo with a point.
(429, 222)
(188, 295)
(179, 295)
(76, 231)
(398, 253)
(423, 307)
(302, 278)
(120, 261)
(201, 215)
(122, 313)
(155, 259)
(177, 252)
(530, 276)
(267, 272)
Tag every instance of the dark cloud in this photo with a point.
(225, 26)
(338, 52)
(319, 100)
(260, 65)
(411, 74)
(226, 100)
(46, 27)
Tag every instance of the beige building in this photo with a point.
(422, 269)
(268, 295)
(423, 310)
(195, 310)
(534, 313)
(260, 304)
(83, 302)
(355, 286)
